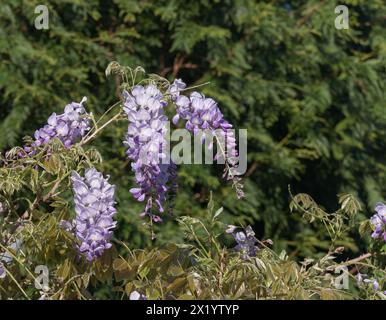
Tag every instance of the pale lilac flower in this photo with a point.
(230, 229)
(68, 127)
(359, 278)
(378, 221)
(373, 282)
(245, 241)
(146, 142)
(66, 225)
(202, 113)
(94, 206)
(135, 295)
(175, 88)
(7, 257)
(3, 273)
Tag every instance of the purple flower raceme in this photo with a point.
(378, 221)
(146, 142)
(68, 127)
(202, 113)
(94, 206)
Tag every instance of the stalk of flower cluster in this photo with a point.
(94, 206)
(146, 142)
(201, 113)
(68, 127)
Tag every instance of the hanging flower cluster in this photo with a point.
(378, 221)
(146, 145)
(155, 173)
(201, 113)
(68, 127)
(94, 206)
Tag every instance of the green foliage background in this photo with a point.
(312, 97)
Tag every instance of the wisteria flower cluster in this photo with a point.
(68, 127)
(202, 113)
(94, 206)
(146, 143)
(378, 221)
(245, 239)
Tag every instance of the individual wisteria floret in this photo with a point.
(68, 127)
(135, 295)
(373, 283)
(3, 273)
(378, 221)
(146, 142)
(175, 88)
(202, 113)
(245, 241)
(94, 207)
(6, 257)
